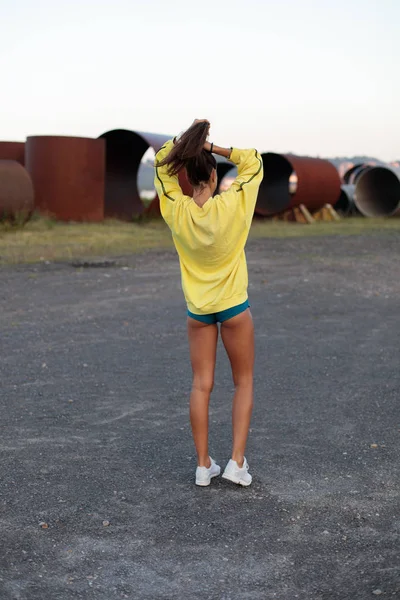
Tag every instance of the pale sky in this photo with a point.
(318, 77)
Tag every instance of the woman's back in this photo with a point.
(210, 239)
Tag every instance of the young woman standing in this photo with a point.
(210, 234)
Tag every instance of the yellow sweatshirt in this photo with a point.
(210, 240)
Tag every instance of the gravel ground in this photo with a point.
(97, 499)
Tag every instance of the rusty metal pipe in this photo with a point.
(124, 152)
(273, 195)
(68, 176)
(13, 151)
(16, 190)
(318, 183)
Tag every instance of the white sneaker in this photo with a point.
(204, 475)
(237, 474)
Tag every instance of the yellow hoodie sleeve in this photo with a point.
(244, 190)
(167, 186)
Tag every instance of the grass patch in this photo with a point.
(45, 239)
(347, 226)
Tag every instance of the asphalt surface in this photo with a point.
(97, 499)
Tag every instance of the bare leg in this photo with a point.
(238, 337)
(203, 350)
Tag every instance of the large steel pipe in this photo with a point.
(68, 176)
(348, 177)
(274, 196)
(318, 183)
(124, 152)
(16, 190)
(377, 190)
(13, 151)
(346, 205)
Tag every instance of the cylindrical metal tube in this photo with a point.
(16, 190)
(351, 174)
(68, 176)
(124, 152)
(346, 205)
(377, 189)
(13, 151)
(273, 195)
(318, 183)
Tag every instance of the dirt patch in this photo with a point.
(94, 429)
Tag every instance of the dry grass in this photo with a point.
(347, 226)
(43, 239)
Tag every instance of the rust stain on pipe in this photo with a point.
(16, 190)
(68, 176)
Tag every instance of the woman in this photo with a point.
(210, 233)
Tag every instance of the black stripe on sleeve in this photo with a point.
(252, 177)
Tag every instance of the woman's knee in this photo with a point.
(203, 383)
(243, 380)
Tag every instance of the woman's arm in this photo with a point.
(248, 162)
(244, 190)
(225, 152)
(249, 165)
(167, 186)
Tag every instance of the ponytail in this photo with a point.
(189, 153)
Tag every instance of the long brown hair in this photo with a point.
(188, 153)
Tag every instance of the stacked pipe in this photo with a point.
(68, 176)
(318, 183)
(13, 151)
(16, 189)
(125, 150)
(373, 191)
(346, 205)
(86, 179)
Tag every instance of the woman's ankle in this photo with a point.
(238, 458)
(204, 462)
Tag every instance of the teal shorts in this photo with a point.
(223, 315)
